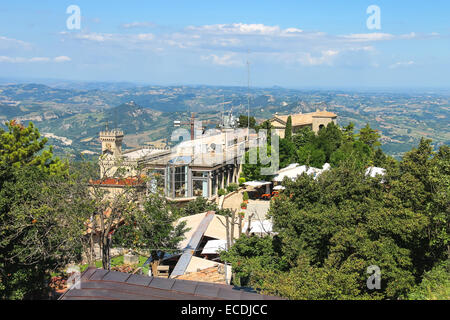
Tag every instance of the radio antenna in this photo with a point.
(248, 96)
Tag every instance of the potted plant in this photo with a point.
(245, 197)
(243, 205)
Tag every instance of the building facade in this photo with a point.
(193, 168)
(313, 120)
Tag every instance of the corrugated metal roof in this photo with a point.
(99, 284)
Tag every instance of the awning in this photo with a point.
(214, 246)
(262, 227)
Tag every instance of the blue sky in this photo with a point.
(288, 43)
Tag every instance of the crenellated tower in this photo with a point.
(112, 142)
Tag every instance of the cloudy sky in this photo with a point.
(288, 43)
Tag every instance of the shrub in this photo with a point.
(245, 196)
(232, 187)
(241, 181)
(222, 192)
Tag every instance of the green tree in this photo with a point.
(304, 136)
(311, 156)
(152, 229)
(288, 129)
(286, 152)
(329, 139)
(347, 132)
(330, 229)
(199, 205)
(369, 136)
(42, 211)
(21, 146)
(244, 122)
(41, 226)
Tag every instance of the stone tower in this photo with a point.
(112, 142)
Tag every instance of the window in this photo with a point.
(200, 188)
(157, 177)
(200, 174)
(180, 182)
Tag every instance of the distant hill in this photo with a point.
(79, 110)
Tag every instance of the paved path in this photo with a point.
(259, 208)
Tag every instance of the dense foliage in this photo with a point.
(332, 228)
(41, 214)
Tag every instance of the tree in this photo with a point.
(288, 129)
(311, 156)
(244, 122)
(40, 215)
(20, 146)
(286, 152)
(304, 136)
(248, 256)
(153, 230)
(435, 284)
(369, 136)
(348, 132)
(330, 229)
(329, 139)
(199, 205)
(252, 171)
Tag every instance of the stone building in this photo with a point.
(314, 120)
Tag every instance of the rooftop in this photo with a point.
(306, 118)
(100, 284)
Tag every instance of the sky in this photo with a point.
(294, 44)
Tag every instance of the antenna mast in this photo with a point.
(248, 97)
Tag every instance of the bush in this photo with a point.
(245, 196)
(241, 181)
(232, 187)
(221, 192)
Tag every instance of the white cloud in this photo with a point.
(145, 36)
(138, 25)
(326, 57)
(227, 44)
(7, 43)
(401, 64)
(7, 59)
(225, 60)
(364, 37)
(62, 59)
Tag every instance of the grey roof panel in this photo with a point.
(184, 286)
(116, 276)
(139, 280)
(207, 290)
(98, 274)
(161, 283)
